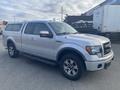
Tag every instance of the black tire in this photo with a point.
(77, 61)
(13, 53)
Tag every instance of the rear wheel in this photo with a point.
(72, 66)
(12, 50)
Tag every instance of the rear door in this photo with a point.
(27, 38)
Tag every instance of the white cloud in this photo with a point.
(43, 9)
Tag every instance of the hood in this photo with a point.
(87, 39)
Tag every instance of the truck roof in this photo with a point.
(45, 21)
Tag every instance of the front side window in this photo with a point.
(35, 28)
(62, 28)
(13, 27)
(40, 27)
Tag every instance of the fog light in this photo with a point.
(99, 65)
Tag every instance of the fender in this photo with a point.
(72, 47)
(11, 39)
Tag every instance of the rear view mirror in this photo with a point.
(45, 34)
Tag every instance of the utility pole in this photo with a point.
(54, 19)
(62, 13)
(14, 18)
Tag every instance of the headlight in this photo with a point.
(94, 50)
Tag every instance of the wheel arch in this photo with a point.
(70, 50)
(10, 41)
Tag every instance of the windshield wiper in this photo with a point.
(64, 33)
(76, 33)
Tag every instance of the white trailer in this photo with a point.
(106, 19)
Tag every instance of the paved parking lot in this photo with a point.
(26, 74)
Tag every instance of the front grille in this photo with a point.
(107, 48)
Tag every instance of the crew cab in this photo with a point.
(59, 43)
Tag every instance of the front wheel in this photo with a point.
(12, 51)
(72, 66)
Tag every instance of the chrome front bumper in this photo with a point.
(100, 64)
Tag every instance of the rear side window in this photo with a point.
(29, 29)
(13, 27)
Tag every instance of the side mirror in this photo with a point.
(46, 34)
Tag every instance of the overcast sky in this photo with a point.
(43, 9)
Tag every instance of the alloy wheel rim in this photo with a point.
(11, 51)
(70, 67)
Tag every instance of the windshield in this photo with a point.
(62, 28)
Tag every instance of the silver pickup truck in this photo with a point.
(59, 43)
